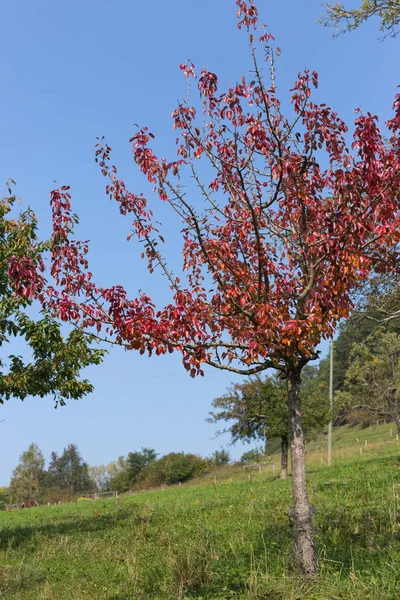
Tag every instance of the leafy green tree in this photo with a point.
(175, 467)
(257, 410)
(347, 19)
(25, 481)
(221, 457)
(120, 482)
(118, 476)
(179, 467)
(373, 378)
(136, 461)
(377, 311)
(69, 471)
(55, 361)
(99, 476)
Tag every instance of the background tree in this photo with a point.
(25, 480)
(257, 410)
(4, 497)
(69, 472)
(175, 467)
(99, 476)
(120, 482)
(373, 377)
(388, 11)
(118, 476)
(116, 466)
(274, 245)
(55, 361)
(179, 467)
(221, 457)
(136, 461)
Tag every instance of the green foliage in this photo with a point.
(356, 329)
(26, 477)
(388, 11)
(152, 475)
(221, 457)
(4, 497)
(136, 461)
(257, 409)
(172, 468)
(179, 467)
(69, 471)
(120, 482)
(99, 476)
(55, 360)
(113, 479)
(373, 377)
(252, 456)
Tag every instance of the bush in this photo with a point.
(179, 467)
(172, 468)
(252, 456)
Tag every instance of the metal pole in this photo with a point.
(330, 404)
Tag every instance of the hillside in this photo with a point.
(223, 541)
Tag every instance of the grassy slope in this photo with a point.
(218, 542)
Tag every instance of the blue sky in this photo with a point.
(72, 71)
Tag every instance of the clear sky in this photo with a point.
(72, 71)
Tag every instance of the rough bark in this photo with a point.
(284, 455)
(301, 514)
(398, 424)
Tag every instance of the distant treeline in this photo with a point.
(68, 475)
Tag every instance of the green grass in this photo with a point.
(224, 541)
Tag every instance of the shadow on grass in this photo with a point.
(17, 536)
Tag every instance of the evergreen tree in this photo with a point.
(69, 471)
(373, 378)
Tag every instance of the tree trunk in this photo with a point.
(284, 455)
(301, 516)
(398, 424)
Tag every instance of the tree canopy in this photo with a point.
(55, 360)
(257, 410)
(347, 19)
(26, 477)
(372, 381)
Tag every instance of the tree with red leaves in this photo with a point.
(274, 245)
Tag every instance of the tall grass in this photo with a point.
(228, 540)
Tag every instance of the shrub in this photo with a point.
(252, 456)
(179, 467)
